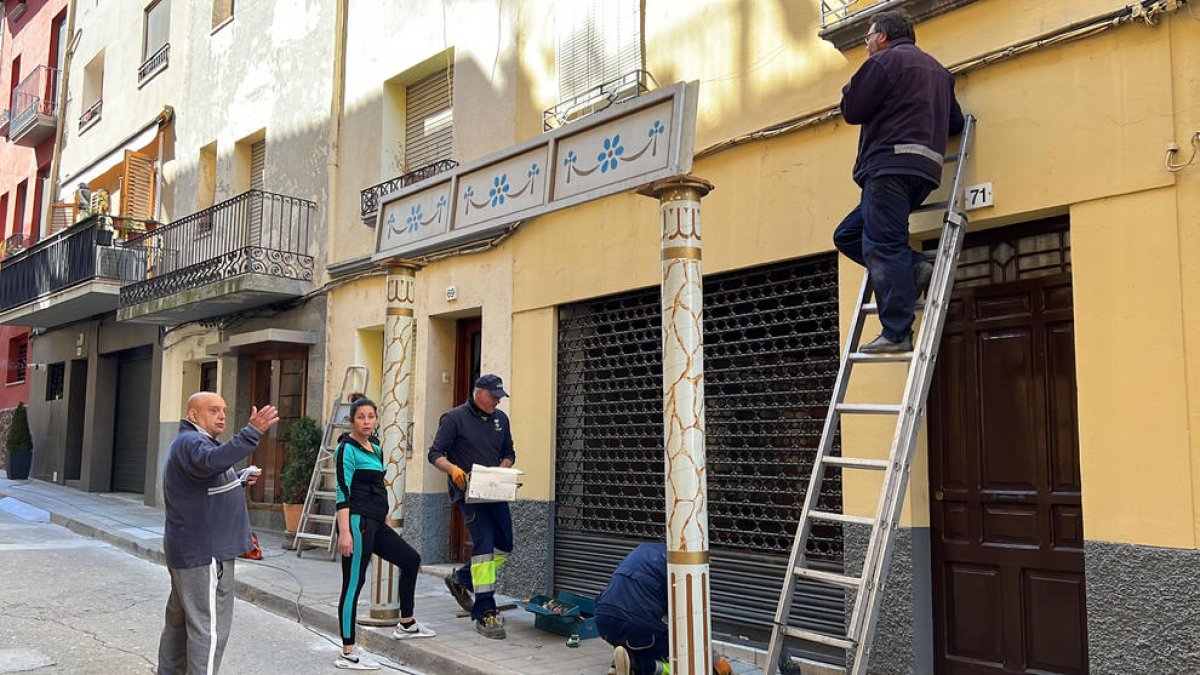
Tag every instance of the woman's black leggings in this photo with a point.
(373, 537)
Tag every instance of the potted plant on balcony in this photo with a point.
(297, 471)
(19, 445)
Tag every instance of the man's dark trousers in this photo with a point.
(647, 645)
(875, 235)
(490, 525)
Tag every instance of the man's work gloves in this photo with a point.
(459, 477)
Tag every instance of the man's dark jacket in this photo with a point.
(904, 100)
(205, 502)
(466, 435)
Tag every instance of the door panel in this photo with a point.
(278, 379)
(1007, 525)
(467, 363)
(131, 425)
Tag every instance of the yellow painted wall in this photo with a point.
(1078, 128)
(1129, 342)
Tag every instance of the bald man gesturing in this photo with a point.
(207, 527)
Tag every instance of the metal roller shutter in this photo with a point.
(429, 120)
(771, 356)
(131, 425)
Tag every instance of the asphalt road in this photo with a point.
(69, 604)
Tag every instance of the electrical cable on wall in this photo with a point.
(1176, 168)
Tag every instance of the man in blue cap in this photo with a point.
(476, 432)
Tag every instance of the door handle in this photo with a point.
(938, 495)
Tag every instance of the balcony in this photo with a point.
(67, 277)
(601, 97)
(845, 22)
(249, 251)
(91, 115)
(34, 111)
(4, 123)
(154, 64)
(369, 198)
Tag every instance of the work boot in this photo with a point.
(460, 592)
(882, 345)
(922, 275)
(621, 662)
(490, 626)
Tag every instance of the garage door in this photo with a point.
(771, 357)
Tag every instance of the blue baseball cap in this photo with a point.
(493, 384)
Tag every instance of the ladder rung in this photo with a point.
(873, 308)
(931, 206)
(319, 518)
(858, 463)
(322, 494)
(841, 518)
(827, 577)
(950, 159)
(821, 638)
(870, 408)
(327, 472)
(896, 357)
(315, 537)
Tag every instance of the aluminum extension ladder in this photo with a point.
(870, 587)
(322, 487)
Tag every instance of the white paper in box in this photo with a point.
(493, 484)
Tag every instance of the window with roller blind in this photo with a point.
(598, 41)
(429, 120)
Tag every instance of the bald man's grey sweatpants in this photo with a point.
(199, 614)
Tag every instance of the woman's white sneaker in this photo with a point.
(355, 660)
(416, 630)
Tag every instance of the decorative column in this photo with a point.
(683, 422)
(395, 428)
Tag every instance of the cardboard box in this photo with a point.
(492, 484)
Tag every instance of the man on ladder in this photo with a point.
(904, 100)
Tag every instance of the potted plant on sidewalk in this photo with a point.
(297, 471)
(19, 445)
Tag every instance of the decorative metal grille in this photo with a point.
(771, 356)
(1014, 258)
(369, 198)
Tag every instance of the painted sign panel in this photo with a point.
(625, 147)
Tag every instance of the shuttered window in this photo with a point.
(429, 120)
(598, 41)
(258, 164)
(137, 186)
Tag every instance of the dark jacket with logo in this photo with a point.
(904, 100)
(360, 485)
(466, 435)
(205, 502)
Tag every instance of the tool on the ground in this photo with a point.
(869, 588)
(318, 525)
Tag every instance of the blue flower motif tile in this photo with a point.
(612, 150)
(414, 218)
(499, 189)
(656, 129)
(571, 158)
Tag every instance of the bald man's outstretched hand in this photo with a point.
(263, 418)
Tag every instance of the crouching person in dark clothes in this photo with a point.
(631, 615)
(207, 526)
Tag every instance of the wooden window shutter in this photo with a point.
(258, 164)
(429, 120)
(138, 185)
(598, 41)
(62, 216)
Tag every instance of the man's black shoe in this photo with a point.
(882, 345)
(460, 592)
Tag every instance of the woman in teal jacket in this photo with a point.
(364, 529)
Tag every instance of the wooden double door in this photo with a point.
(1007, 522)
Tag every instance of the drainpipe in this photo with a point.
(56, 157)
(336, 104)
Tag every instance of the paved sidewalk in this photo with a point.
(308, 588)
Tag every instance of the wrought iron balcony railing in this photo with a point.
(35, 95)
(4, 122)
(81, 253)
(630, 85)
(91, 114)
(256, 232)
(154, 62)
(369, 198)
